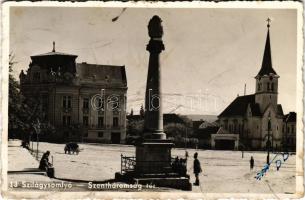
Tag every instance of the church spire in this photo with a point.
(266, 68)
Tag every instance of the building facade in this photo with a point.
(289, 131)
(85, 102)
(258, 119)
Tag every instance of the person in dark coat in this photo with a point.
(182, 169)
(251, 163)
(197, 168)
(175, 164)
(44, 162)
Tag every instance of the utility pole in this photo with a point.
(268, 139)
(245, 89)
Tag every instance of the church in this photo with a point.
(257, 120)
(84, 102)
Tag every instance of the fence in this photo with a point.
(128, 164)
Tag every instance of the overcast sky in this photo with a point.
(210, 53)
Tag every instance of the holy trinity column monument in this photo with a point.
(153, 150)
(153, 154)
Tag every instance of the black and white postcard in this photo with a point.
(152, 100)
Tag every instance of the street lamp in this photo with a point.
(268, 138)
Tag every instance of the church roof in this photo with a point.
(239, 107)
(266, 67)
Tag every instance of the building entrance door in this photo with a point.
(224, 144)
(115, 137)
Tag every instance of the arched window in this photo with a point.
(258, 86)
(272, 86)
(268, 86)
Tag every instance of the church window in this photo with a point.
(272, 86)
(268, 86)
(258, 86)
(292, 129)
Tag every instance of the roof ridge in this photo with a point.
(85, 63)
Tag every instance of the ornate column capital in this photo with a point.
(155, 46)
(155, 32)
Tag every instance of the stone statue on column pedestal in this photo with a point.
(153, 151)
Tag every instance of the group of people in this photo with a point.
(179, 166)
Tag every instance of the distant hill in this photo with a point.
(208, 118)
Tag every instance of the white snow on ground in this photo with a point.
(19, 159)
(223, 171)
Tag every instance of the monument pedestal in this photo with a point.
(153, 157)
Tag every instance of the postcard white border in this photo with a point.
(151, 195)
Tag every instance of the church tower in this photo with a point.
(266, 91)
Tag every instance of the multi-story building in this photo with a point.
(85, 102)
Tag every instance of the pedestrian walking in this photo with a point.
(197, 168)
(251, 163)
(186, 154)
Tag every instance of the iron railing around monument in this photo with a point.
(128, 163)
